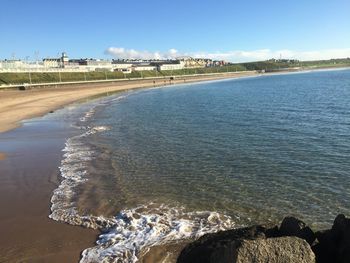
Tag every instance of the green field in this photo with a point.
(268, 66)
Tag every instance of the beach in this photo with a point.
(29, 161)
(121, 141)
(28, 175)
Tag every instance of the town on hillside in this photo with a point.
(66, 64)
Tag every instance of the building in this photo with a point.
(141, 67)
(52, 62)
(90, 64)
(124, 70)
(170, 66)
(190, 62)
(122, 66)
(64, 59)
(61, 62)
(12, 64)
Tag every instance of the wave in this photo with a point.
(136, 230)
(132, 231)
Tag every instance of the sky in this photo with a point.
(231, 30)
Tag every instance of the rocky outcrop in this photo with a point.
(292, 241)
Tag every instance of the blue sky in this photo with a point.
(222, 29)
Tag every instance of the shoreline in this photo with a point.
(16, 105)
(41, 99)
(28, 175)
(49, 177)
(29, 161)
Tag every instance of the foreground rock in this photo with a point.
(252, 244)
(292, 226)
(275, 250)
(334, 244)
(293, 241)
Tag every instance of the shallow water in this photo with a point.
(166, 164)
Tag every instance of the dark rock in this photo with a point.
(292, 226)
(272, 232)
(334, 244)
(325, 248)
(307, 234)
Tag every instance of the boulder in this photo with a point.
(341, 229)
(246, 245)
(275, 250)
(219, 247)
(292, 226)
(288, 243)
(334, 244)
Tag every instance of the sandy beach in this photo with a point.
(29, 161)
(28, 175)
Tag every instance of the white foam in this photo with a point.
(119, 98)
(100, 128)
(138, 229)
(88, 114)
(132, 231)
(73, 170)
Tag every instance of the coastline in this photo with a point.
(29, 161)
(36, 196)
(28, 175)
(16, 105)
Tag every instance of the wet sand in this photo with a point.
(29, 161)
(28, 175)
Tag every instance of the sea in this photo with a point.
(168, 164)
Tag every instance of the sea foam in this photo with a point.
(136, 230)
(132, 231)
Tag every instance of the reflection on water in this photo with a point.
(258, 148)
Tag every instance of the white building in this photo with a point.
(143, 67)
(124, 67)
(52, 62)
(56, 62)
(12, 64)
(170, 66)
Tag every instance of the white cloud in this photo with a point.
(120, 52)
(233, 56)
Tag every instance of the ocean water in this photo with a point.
(166, 164)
